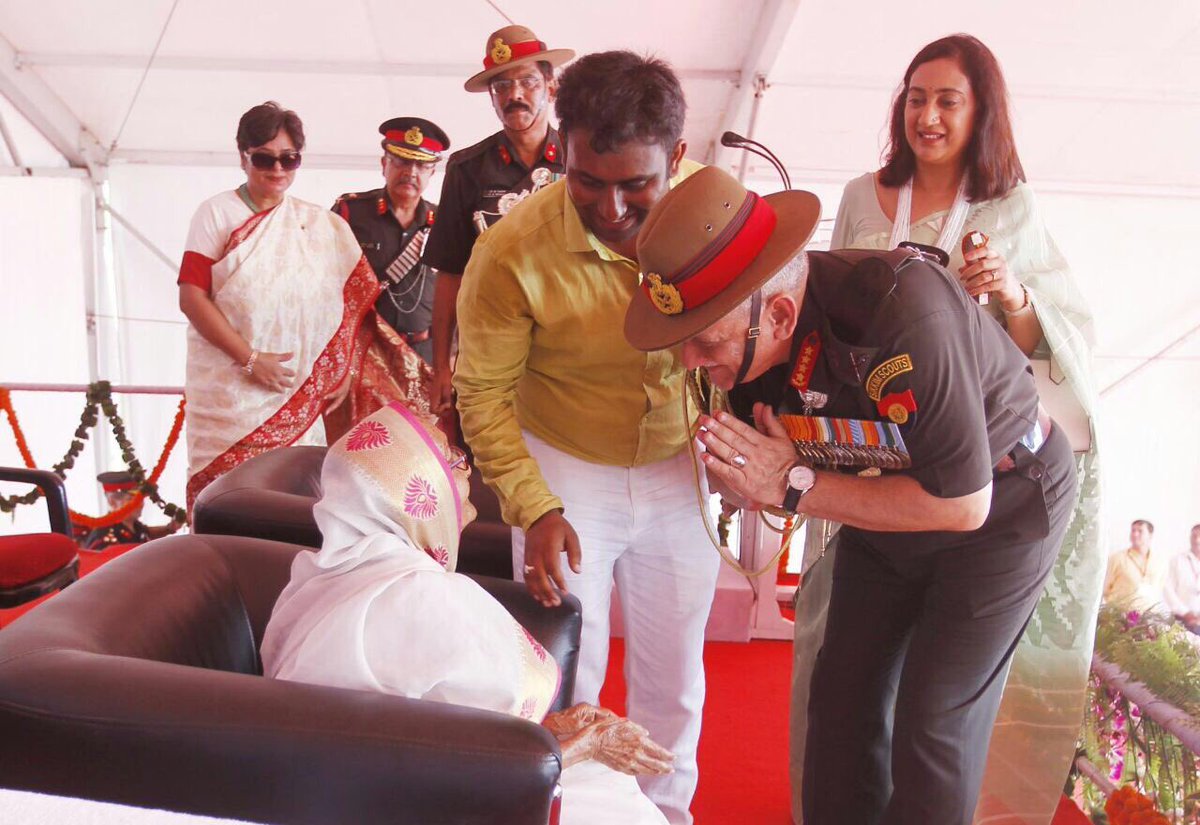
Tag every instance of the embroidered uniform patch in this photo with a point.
(885, 372)
(897, 406)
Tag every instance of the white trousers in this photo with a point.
(641, 527)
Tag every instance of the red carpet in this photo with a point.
(743, 743)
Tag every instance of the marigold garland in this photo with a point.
(99, 395)
(1128, 807)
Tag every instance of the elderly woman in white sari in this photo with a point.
(275, 290)
(380, 607)
(952, 170)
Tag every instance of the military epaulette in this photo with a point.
(847, 442)
(473, 151)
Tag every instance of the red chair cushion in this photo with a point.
(27, 558)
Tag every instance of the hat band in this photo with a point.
(119, 486)
(428, 143)
(686, 290)
(515, 50)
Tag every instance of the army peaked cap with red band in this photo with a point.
(414, 138)
(116, 481)
(510, 47)
(705, 248)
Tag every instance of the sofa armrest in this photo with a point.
(225, 744)
(556, 628)
(53, 490)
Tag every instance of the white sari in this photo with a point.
(291, 279)
(379, 607)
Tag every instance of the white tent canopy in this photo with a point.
(145, 95)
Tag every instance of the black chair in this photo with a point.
(271, 496)
(34, 564)
(142, 685)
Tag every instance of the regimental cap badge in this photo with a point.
(665, 297)
(501, 53)
(414, 137)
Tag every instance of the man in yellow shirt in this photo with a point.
(1135, 575)
(584, 438)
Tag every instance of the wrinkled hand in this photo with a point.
(566, 723)
(441, 391)
(545, 541)
(986, 271)
(334, 399)
(626, 746)
(269, 371)
(769, 454)
(620, 744)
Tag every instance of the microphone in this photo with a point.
(735, 141)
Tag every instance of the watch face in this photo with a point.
(801, 478)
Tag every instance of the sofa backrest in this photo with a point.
(201, 601)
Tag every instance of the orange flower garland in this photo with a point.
(22, 444)
(121, 513)
(1128, 807)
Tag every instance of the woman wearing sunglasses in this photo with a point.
(275, 290)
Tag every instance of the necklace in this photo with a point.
(244, 193)
(951, 227)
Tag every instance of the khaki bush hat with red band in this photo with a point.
(704, 249)
(513, 46)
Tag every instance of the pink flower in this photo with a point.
(439, 554)
(368, 435)
(1132, 618)
(420, 501)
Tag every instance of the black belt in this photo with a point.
(417, 337)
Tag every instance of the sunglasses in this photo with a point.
(457, 459)
(266, 161)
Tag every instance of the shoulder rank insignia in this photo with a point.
(551, 153)
(885, 372)
(430, 216)
(504, 155)
(381, 206)
(897, 406)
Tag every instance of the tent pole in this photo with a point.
(760, 86)
(13, 151)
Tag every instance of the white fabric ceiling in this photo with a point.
(1103, 91)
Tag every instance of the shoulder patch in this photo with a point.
(885, 372)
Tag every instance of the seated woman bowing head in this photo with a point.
(394, 504)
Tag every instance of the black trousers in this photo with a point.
(921, 631)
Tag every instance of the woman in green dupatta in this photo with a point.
(952, 169)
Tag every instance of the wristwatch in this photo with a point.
(800, 479)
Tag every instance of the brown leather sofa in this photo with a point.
(271, 497)
(141, 684)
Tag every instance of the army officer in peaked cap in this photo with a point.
(393, 222)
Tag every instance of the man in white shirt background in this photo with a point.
(1181, 590)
